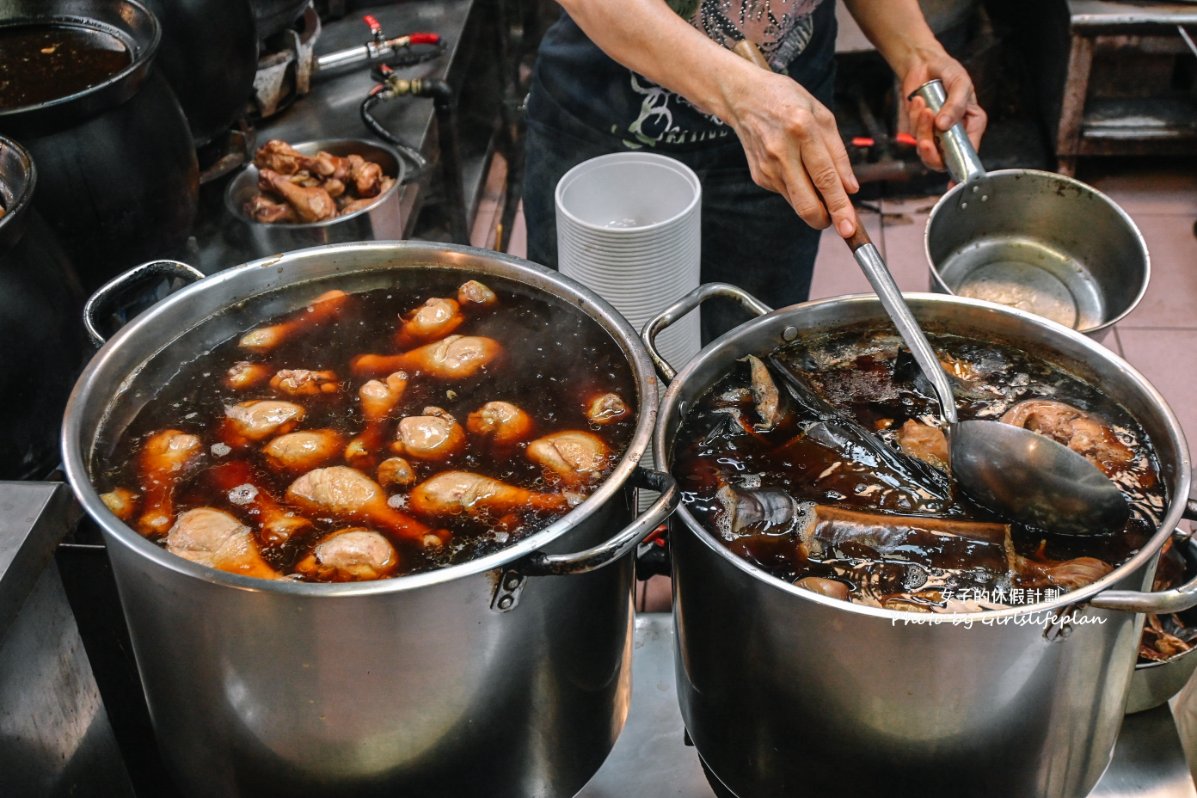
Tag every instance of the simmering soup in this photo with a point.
(825, 464)
(377, 434)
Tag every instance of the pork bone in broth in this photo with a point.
(824, 463)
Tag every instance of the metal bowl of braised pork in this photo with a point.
(326, 191)
(1166, 660)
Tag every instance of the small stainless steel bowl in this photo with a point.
(381, 220)
(1154, 683)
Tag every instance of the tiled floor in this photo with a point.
(1159, 338)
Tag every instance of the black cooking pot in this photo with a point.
(209, 54)
(40, 303)
(118, 180)
(274, 15)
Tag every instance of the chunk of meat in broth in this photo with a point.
(925, 442)
(323, 309)
(350, 555)
(434, 436)
(305, 382)
(377, 400)
(503, 425)
(366, 176)
(454, 493)
(245, 375)
(571, 457)
(1080, 431)
(607, 408)
(215, 538)
(277, 524)
(257, 420)
(121, 502)
(262, 209)
(774, 408)
(395, 472)
(297, 452)
(344, 493)
(454, 358)
(473, 295)
(163, 461)
(437, 318)
(310, 203)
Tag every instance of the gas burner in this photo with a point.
(286, 65)
(227, 152)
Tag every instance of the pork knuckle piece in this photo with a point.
(434, 436)
(214, 538)
(350, 555)
(303, 451)
(342, 492)
(1082, 432)
(258, 420)
(574, 457)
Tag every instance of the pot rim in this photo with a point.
(94, 383)
(1066, 602)
(140, 56)
(1071, 182)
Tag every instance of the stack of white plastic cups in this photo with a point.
(629, 228)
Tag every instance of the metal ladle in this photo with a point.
(1019, 474)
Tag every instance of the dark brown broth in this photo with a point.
(40, 63)
(865, 375)
(554, 358)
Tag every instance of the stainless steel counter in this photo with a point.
(651, 759)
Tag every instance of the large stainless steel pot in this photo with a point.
(505, 676)
(118, 176)
(209, 54)
(786, 692)
(40, 300)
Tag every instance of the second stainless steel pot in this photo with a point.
(1034, 240)
(786, 692)
(504, 676)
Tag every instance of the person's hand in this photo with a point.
(794, 148)
(961, 105)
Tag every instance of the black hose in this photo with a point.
(419, 162)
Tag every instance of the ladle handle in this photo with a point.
(958, 151)
(874, 268)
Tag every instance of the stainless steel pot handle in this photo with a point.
(958, 152)
(542, 564)
(689, 302)
(1175, 600)
(105, 295)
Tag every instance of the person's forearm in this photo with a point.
(897, 28)
(649, 38)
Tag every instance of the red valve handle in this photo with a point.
(373, 23)
(424, 38)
